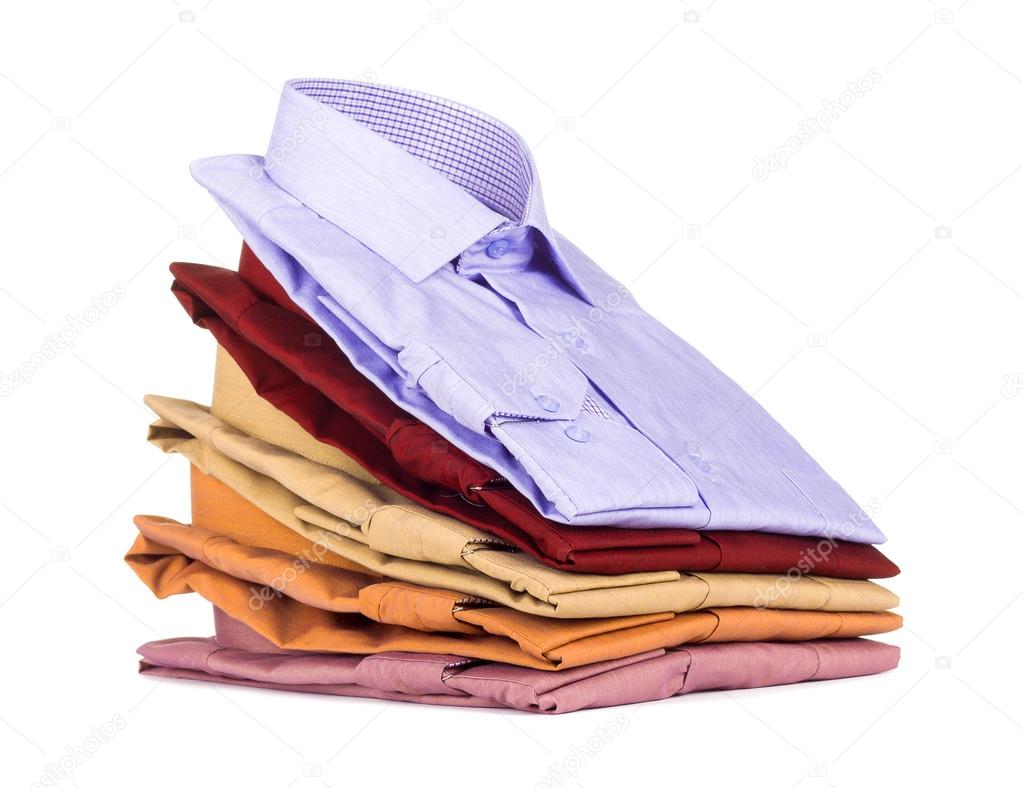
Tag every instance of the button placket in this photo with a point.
(507, 249)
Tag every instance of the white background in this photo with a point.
(869, 294)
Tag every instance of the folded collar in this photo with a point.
(416, 178)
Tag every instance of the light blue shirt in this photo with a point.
(412, 229)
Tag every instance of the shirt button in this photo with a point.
(577, 433)
(701, 463)
(497, 248)
(549, 404)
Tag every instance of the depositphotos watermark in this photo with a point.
(273, 589)
(811, 558)
(309, 557)
(74, 757)
(303, 131)
(815, 125)
(573, 336)
(569, 767)
(61, 340)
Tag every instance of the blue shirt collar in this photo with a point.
(418, 179)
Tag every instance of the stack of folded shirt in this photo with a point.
(450, 460)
